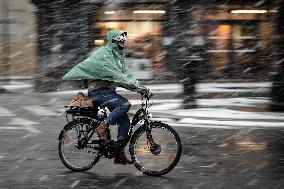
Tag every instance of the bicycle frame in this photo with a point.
(85, 122)
(141, 114)
(146, 117)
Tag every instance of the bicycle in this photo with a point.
(153, 139)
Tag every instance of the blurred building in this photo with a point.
(143, 22)
(17, 38)
(232, 39)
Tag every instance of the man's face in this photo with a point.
(121, 40)
(121, 43)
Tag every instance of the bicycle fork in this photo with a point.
(154, 147)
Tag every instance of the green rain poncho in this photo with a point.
(107, 63)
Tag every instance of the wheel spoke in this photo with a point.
(74, 152)
(162, 156)
(69, 137)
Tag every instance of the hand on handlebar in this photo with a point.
(148, 94)
(145, 92)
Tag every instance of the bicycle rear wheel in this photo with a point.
(160, 158)
(75, 150)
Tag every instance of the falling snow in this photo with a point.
(215, 68)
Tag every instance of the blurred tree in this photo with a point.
(189, 81)
(181, 58)
(65, 38)
(277, 92)
(170, 30)
(45, 32)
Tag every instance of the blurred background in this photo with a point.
(169, 41)
(215, 67)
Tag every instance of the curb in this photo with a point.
(198, 95)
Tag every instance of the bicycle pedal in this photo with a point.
(109, 149)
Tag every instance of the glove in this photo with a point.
(149, 94)
(145, 92)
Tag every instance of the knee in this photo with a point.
(126, 105)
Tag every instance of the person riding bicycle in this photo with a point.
(102, 72)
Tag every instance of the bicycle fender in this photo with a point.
(63, 129)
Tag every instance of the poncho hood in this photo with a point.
(110, 35)
(107, 63)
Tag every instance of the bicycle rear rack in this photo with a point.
(88, 112)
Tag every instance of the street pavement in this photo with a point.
(212, 157)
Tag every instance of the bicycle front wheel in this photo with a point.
(75, 150)
(161, 158)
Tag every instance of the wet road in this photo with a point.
(211, 158)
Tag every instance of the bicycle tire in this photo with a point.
(61, 151)
(139, 133)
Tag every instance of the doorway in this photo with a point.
(233, 48)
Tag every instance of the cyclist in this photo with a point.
(102, 72)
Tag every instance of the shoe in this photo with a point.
(101, 130)
(120, 158)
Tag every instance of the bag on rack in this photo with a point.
(81, 101)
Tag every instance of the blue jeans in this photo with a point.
(117, 105)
